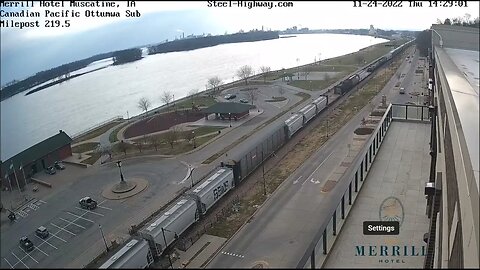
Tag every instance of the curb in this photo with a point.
(77, 164)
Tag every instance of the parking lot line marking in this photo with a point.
(55, 235)
(101, 202)
(81, 217)
(46, 241)
(33, 206)
(87, 211)
(104, 207)
(42, 201)
(26, 254)
(19, 260)
(64, 229)
(73, 223)
(11, 266)
(42, 251)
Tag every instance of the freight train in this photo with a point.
(166, 228)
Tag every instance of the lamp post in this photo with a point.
(165, 239)
(103, 236)
(441, 39)
(119, 164)
(230, 118)
(194, 144)
(263, 173)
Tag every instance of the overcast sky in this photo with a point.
(27, 51)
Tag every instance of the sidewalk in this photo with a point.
(199, 253)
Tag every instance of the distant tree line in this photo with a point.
(49, 74)
(60, 71)
(208, 41)
(126, 56)
(424, 38)
(462, 21)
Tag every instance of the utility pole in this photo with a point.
(263, 173)
(103, 236)
(165, 240)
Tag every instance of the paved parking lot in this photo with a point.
(64, 228)
(33, 205)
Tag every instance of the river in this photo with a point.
(85, 101)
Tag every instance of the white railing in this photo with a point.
(81, 133)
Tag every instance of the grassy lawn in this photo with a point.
(198, 132)
(84, 147)
(92, 159)
(97, 132)
(207, 129)
(276, 99)
(163, 148)
(112, 137)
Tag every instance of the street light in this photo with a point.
(164, 239)
(230, 119)
(119, 164)
(441, 39)
(193, 134)
(103, 236)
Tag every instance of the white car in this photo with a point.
(88, 203)
(402, 90)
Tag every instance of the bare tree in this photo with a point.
(172, 135)
(252, 93)
(306, 72)
(166, 97)
(214, 82)
(144, 104)
(188, 136)
(245, 72)
(139, 146)
(104, 150)
(192, 93)
(265, 71)
(155, 141)
(123, 146)
(466, 19)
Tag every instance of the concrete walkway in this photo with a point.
(199, 253)
(401, 170)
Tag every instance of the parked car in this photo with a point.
(402, 90)
(50, 170)
(59, 165)
(26, 244)
(230, 96)
(244, 100)
(42, 232)
(88, 203)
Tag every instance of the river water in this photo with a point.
(78, 104)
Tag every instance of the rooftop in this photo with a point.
(460, 62)
(37, 151)
(398, 173)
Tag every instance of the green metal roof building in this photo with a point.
(228, 110)
(35, 159)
